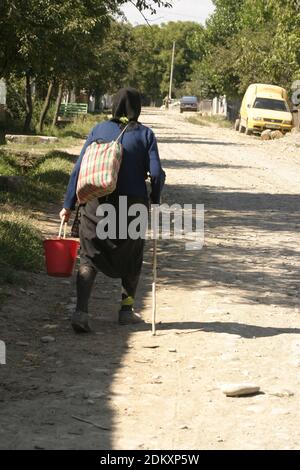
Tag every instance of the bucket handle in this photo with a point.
(63, 223)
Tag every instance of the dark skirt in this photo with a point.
(116, 258)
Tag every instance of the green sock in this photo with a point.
(127, 301)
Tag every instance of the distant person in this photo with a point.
(167, 102)
(116, 258)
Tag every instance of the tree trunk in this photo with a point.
(58, 103)
(28, 103)
(45, 108)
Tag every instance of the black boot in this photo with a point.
(80, 322)
(127, 316)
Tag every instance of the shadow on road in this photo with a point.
(192, 164)
(242, 248)
(192, 141)
(234, 328)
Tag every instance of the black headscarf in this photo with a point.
(127, 103)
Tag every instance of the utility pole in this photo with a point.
(172, 70)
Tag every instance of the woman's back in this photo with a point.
(136, 141)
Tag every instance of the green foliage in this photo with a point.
(20, 241)
(54, 42)
(78, 129)
(15, 97)
(79, 44)
(151, 57)
(246, 42)
(45, 176)
(20, 245)
(9, 165)
(45, 182)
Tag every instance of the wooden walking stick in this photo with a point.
(155, 232)
(154, 287)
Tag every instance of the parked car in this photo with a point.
(189, 103)
(264, 107)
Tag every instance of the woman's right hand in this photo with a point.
(65, 215)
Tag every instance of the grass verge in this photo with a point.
(45, 181)
(20, 243)
(43, 172)
(78, 129)
(210, 121)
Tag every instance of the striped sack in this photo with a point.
(99, 169)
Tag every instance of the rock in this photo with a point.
(183, 427)
(156, 379)
(266, 135)
(48, 326)
(31, 292)
(239, 390)
(30, 139)
(22, 343)
(172, 350)
(47, 339)
(276, 135)
(91, 402)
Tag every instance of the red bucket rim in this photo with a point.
(56, 239)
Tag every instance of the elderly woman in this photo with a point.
(117, 258)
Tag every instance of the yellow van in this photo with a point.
(264, 107)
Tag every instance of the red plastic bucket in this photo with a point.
(60, 255)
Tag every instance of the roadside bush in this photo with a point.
(20, 244)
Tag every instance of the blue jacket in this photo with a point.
(140, 158)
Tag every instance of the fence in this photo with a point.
(206, 107)
(220, 106)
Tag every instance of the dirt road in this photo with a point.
(229, 313)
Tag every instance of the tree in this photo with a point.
(249, 41)
(149, 67)
(54, 40)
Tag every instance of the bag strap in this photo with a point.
(122, 133)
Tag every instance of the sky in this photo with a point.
(183, 10)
